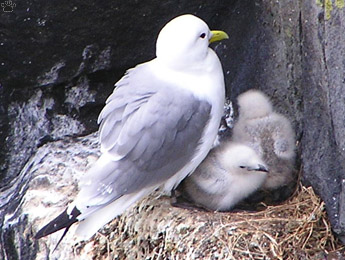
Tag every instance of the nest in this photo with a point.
(153, 229)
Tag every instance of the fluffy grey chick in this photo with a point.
(229, 174)
(270, 134)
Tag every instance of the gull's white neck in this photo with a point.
(203, 78)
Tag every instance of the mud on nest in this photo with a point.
(153, 229)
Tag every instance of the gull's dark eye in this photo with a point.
(203, 35)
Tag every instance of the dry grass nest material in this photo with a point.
(153, 229)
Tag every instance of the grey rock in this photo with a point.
(47, 183)
(323, 84)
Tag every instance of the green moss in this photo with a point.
(328, 9)
(328, 6)
(319, 3)
(339, 3)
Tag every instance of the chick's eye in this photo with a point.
(203, 35)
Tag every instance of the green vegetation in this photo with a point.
(328, 6)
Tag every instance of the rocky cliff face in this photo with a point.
(58, 63)
(323, 81)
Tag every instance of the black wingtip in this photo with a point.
(64, 220)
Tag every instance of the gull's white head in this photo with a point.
(184, 41)
(253, 104)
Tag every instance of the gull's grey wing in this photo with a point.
(151, 129)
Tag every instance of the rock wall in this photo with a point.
(323, 82)
(58, 64)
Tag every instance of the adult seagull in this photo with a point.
(155, 129)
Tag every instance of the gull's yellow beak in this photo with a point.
(218, 36)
